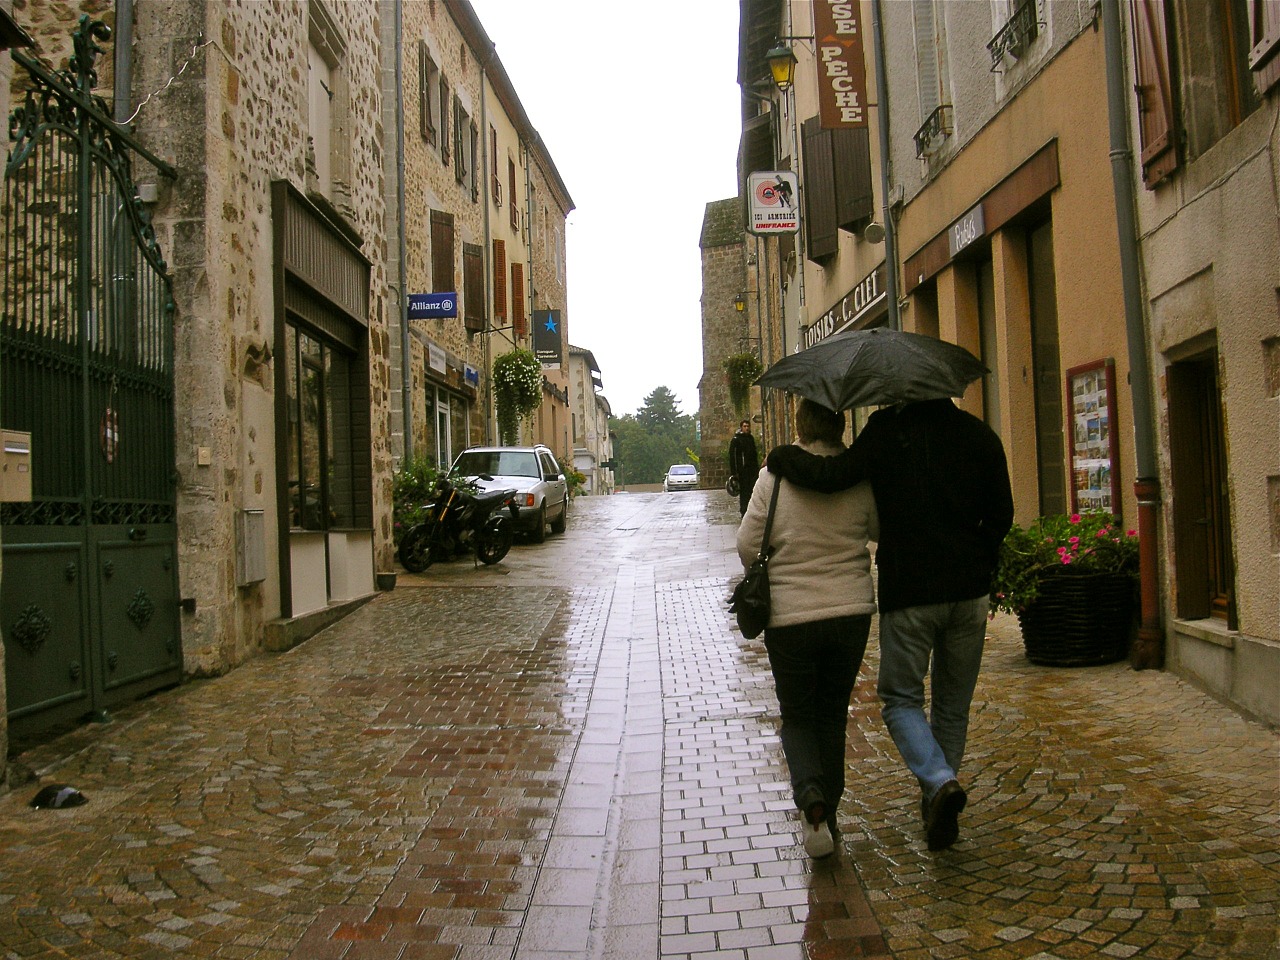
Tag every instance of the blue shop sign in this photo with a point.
(432, 306)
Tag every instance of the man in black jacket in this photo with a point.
(744, 464)
(942, 490)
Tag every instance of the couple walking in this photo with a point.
(929, 484)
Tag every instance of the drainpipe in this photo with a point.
(124, 59)
(1148, 651)
(882, 122)
(485, 187)
(406, 350)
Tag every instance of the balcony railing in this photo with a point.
(1015, 36)
(936, 127)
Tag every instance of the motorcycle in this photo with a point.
(461, 520)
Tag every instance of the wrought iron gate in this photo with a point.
(89, 595)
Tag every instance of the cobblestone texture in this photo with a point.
(483, 765)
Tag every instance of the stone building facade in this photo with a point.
(590, 412)
(484, 210)
(1209, 232)
(726, 331)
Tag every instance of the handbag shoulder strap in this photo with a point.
(768, 523)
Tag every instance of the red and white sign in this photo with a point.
(773, 202)
(842, 64)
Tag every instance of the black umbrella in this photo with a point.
(861, 368)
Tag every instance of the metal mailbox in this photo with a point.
(15, 466)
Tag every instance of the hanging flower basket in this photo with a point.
(1079, 619)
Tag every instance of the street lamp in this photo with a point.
(739, 303)
(782, 65)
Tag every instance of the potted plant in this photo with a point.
(1070, 580)
(517, 384)
(741, 370)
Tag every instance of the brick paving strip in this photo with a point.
(524, 773)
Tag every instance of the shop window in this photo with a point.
(321, 452)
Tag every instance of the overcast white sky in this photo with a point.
(638, 105)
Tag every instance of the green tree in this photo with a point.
(653, 438)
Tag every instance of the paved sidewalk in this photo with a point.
(481, 765)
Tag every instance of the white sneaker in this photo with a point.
(817, 840)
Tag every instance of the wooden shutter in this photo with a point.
(442, 274)
(474, 312)
(426, 70)
(475, 162)
(518, 317)
(500, 279)
(1157, 125)
(851, 171)
(459, 147)
(819, 192)
(444, 120)
(515, 197)
(1264, 43)
(496, 185)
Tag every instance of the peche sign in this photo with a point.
(842, 64)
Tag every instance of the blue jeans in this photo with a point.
(953, 633)
(814, 668)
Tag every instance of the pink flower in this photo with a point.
(1066, 558)
(1075, 518)
(1074, 541)
(1133, 533)
(1102, 533)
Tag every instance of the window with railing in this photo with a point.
(935, 129)
(1014, 38)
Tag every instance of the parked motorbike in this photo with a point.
(459, 521)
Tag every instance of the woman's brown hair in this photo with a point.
(816, 422)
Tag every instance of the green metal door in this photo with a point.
(89, 596)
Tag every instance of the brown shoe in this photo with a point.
(942, 825)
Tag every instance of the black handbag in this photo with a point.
(750, 599)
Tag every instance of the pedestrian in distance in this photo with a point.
(822, 600)
(744, 463)
(942, 491)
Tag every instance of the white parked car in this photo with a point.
(680, 476)
(542, 492)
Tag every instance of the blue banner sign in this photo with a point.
(431, 306)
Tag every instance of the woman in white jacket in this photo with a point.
(822, 599)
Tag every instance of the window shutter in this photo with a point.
(496, 185)
(819, 192)
(475, 162)
(851, 171)
(473, 283)
(511, 190)
(517, 300)
(1156, 123)
(444, 120)
(1264, 43)
(442, 275)
(500, 279)
(459, 148)
(426, 68)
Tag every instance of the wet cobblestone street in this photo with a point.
(573, 755)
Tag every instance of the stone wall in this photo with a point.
(725, 331)
(232, 122)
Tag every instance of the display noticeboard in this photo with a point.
(773, 202)
(1094, 448)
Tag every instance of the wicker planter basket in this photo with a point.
(1079, 620)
